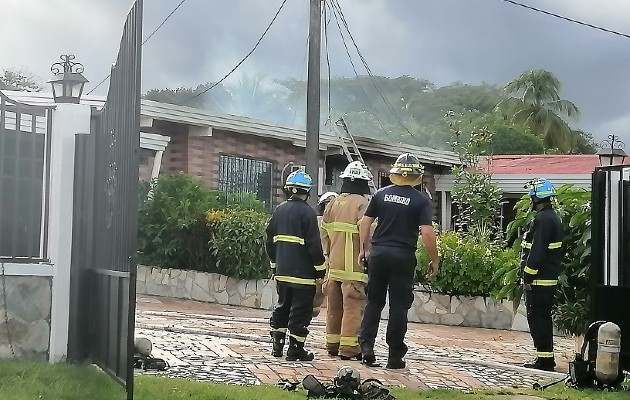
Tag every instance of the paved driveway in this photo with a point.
(211, 342)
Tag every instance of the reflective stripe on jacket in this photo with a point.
(341, 224)
(293, 244)
(542, 249)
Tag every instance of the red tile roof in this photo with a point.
(542, 164)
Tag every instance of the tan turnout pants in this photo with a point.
(345, 305)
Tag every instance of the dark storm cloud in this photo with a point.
(440, 40)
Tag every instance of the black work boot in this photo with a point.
(395, 362)
(296, 351)
(278, 343)
(542, 363)
(367, 355)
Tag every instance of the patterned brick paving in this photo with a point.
(210, 342)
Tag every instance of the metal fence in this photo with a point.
(610, 270)
(103, 287)
(240, 176)
(24, 176)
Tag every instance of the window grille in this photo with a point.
(240, 175)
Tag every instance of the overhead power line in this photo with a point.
(145, 40)
(337, 10)
(244, 58)
(575, 21)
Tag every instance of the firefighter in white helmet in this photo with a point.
(323, 201)
(345, 284)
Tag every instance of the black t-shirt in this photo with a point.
(400, 210)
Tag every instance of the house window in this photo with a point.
(240, 175)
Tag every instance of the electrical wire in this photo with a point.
(337, 7)
(575, 21)
(367, 98)
(244, 58)
(145, 40)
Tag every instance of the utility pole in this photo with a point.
(312, 97)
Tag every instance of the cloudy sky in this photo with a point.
(440, 40)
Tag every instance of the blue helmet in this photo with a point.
(541, 188)
(298, 181)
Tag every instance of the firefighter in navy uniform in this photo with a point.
(297, 260)
(540, 265)
(401, 211)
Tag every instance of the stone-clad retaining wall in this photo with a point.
(427, 307)
(25, 318)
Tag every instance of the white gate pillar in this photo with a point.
(67, 121)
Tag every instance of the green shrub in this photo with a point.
(237, 243)
(468, 265)
(572, 298)
(172, 230)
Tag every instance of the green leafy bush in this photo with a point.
(237, 243)
(468, 265)
(572, 298)
(172, 230)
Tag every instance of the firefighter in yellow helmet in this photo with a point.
(321, 206)
(401, 210)
(345, 284)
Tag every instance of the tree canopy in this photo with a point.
(527, 116)
(19, 79)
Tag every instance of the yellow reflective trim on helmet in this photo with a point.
(340, 227)
(288, 238)
(530, 271)
(332, 338)
(292, 279)
(545, 282)
(341, 275)
(555, 245)
(349, 341)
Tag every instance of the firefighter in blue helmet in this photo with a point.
(297, 260)
(540, 265)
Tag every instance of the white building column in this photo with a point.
(67, 121)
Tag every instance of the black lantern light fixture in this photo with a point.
(68, 82)
(611, 152)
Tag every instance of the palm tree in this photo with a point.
(534, 101)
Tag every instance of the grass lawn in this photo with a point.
(35, 381)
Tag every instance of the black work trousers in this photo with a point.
(294, 309)
(389, 269)
(539, 304)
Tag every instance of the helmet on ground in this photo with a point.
(407, 164)
(541, 188)
(143, 346)
(349, 377)
(298, 182)
(406, 171)
(326, 197)
(356, 170)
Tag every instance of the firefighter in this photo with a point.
(323, 201)
(401, 211)
(297, 261)
(540, 266)
(344, 286)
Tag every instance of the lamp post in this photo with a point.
(611, 151)
(67, 83)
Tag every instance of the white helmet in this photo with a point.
(347, 376)
(357, 170)
(328, 196)
(143, 346)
